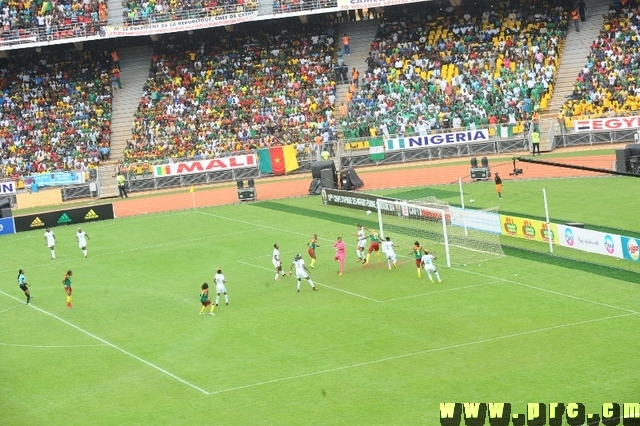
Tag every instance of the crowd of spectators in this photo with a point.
(609, 83)
(55, 110)
(47, 20)
(137, 12)
(287, 6)
(431, 68)
(265, 84)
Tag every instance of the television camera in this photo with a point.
(516, 171)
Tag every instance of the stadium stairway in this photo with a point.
(115, 9)
(134, 70)
(107, 185)
(573, 58)
(576, 49)
(361, 34)
(265, 7)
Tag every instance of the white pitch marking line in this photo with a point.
(142, 248)
(506, 280)
(423, 352)
(119, 349)
(319, 283)
(13, 307)
(263, 256)
(273, 228)
(439, 291)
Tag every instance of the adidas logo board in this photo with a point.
(91, 215)
(64, 219)
(37, 223)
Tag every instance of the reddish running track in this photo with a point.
(381, 177)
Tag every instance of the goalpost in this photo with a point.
(430, 222)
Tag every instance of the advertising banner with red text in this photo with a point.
(606, 124)
(201, 166)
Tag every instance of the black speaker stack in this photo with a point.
(480, 172)
(248, 193)
(628, 159)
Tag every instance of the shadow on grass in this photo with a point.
(546, 258)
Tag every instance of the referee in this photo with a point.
(122, 186)
(22, 283)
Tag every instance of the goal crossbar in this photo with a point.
(405, 210)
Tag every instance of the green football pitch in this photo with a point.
(374, 346)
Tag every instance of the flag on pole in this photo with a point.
(278, 160)
(191, 190)
(376, 149)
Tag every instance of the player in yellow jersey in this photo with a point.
(312, 249)
(205, 299)
(373, 246)
(417, 255)
(66, 282)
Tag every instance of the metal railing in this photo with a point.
(571, 138)
(494, 145)
(140, 184)
(288, 6)
(179, 15)
(53, 33)
(41, 36)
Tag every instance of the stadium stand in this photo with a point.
(137, 12)
(458, 67)
(55, 110)
(288, 6)
(37, 20)
(207, 95)
(609, 82)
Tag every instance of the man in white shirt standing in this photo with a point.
(81, 238)
(275, 259)
(50, 240)
(220, 287)
(301, 271)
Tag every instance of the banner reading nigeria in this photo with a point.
(437, 139)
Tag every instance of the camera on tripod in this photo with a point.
(516, 171)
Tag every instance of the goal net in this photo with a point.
(429, 222)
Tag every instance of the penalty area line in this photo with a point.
(439, 291)
(113, 346)
(557, 293)
(13, 307)
(319, 283)
(411, 354)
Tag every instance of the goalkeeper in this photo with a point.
(374, 245)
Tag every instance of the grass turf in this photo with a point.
(373, 346)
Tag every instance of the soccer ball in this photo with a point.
(472, 200)
(368, 212)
